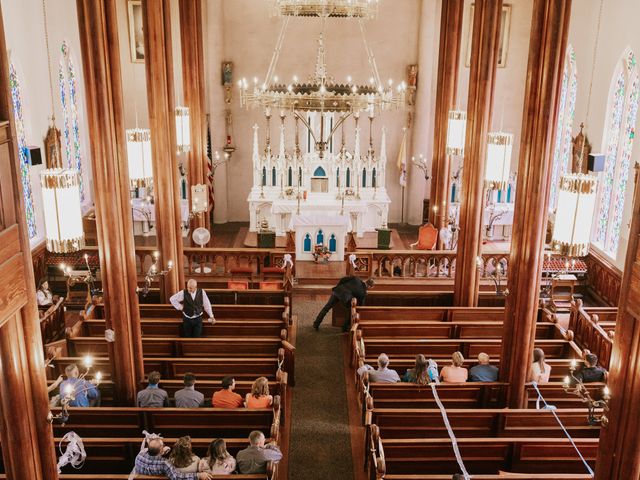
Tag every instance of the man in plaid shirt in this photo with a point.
(151, 462)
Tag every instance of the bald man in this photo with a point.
(193, 303)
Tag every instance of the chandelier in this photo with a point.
(498, 168)
(456, 132)
(321, 93)
(183, 130)
(62, 213)
(139, 156)
(328, 8)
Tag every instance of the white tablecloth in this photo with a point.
(319, 219)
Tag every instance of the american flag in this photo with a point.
(210, 166)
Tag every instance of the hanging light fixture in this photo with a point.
(456, 132)
(576, 203)
(498, 168)
(183, 129)
(62, 213)
(139, 155)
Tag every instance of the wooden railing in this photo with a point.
(52, 324)
(604, 279)
(420, 263)
(585, 330)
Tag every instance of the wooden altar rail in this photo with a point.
(585, 330)
(419, 263)
(603, 278)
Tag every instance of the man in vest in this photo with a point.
(193, 303)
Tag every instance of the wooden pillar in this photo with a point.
(98, 27)
(26, 435)
(484, 60)
(549, 30)
(448, 62)
(156, 18)
(619, 448)
(194, 94)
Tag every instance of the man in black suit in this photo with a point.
(346, 289)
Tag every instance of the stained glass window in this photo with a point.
(69, 100)
(16, 99)
(562, 147)
(621, 120)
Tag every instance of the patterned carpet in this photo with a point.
(320, 444)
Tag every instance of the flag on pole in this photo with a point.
(402, 159)
(209, 165)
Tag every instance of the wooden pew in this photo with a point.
(443, 314)
(467, 423)
(172, 422)
(186, 347)
(242, 368)
(243, 312)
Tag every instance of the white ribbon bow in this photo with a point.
(74, 454)
(287, 260)
(352, 261)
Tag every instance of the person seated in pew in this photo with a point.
(218, 460)
(591, 372)
(419, 373)
(44, 296)
(455, 373)
(193, 302)
(226, 397)
(83, 393)
(483, 372)
(89, 312)
(540, 370)
(150, 461)
(259, 396)
(383, 374)
(182, 457)
(153, 396)
(254, 458)
(189, 397)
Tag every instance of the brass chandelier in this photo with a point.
(328, 8)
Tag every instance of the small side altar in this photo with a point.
(318, 229)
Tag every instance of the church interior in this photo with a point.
(319, 239)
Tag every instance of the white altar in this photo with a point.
(345, 183)
(319, 229)
(144, 215)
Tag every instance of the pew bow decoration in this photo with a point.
(352, 261)
(74, 454)
(288, 260)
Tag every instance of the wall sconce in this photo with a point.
(69, 393)
(497, 275)
(582, 392)
(153, 273)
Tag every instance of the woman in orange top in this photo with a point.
(259, 396)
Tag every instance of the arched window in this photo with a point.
(338, 177)
(71, 124)
(319, 172)
(364, 178)
(273, 177)
(332, 243)
(621, 118)
(374, 180)
(564, 126)
(290, 177)
(16, 100)
(320, 238)
(348, 183)
(264, 176)
(306, 244)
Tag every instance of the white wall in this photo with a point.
(619, 31)
(24, 32)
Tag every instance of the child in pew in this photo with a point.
(540, 370)
(483, 372)
(218, 460)
(182, 457)
(259, 396)
(455, 373)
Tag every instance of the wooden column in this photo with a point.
(103, 85)
(448, 62)
(549, 30)
(26, 435)
(619, 449)
(194, 94)
(156, 18)
(484, 60)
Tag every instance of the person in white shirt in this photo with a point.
(382, 374)
(193, 303)
(44, 295)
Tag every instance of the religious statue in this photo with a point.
(580, 152)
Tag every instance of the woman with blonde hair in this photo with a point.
(418, 374)
(455, 373)
(540, 370)
(182, 457)
(259, 396)
(218, 461)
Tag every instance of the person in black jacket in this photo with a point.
(346, 289)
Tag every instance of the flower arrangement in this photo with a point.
(289, 192)
(321, 253)
(349, 192)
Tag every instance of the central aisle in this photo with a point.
(320, 444)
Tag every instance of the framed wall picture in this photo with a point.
(227, 74)
(136, 32)
(505, 30)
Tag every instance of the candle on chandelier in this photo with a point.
(88, 361)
